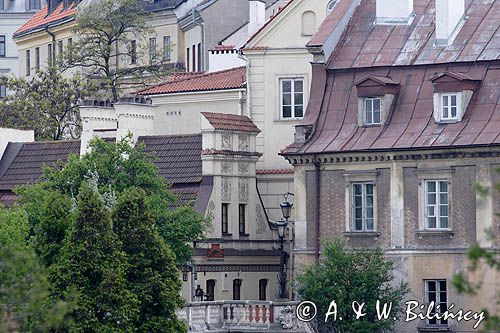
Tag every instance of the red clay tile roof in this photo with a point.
(231, 122)
(234, 78)
(41, 20)
(366, 44)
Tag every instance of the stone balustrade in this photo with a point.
(243, 316)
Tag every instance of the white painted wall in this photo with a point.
(224, 59)
(393, 10)
(448, 16)
(12, 135)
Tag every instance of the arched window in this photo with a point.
(210, 293)
(308, 23)
(236, 289)
(330, 6)
(263, 290)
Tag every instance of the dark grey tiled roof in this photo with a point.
(27, 166)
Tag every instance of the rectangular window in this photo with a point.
(37, 58)
(2, 46)
(372, 111)
(292, 98)
(133, 52)
(199, 58)
(70, 50)
(49, 54)
(194, 57)
(2, 7)
(152, 50)
(449, 107)
(242, 219)
(28, 62)
(436, 293)
(362, 202)
(166, 48)
(225, 219)
(34, 4)
(187, 59)
(3, 91)
(436, 204)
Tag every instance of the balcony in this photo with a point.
(243, 316)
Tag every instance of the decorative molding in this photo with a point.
(243, 190)
(227, 141)
(236, 268)
(243, 142)
(226, 189)
(226, 167)
(243, 168)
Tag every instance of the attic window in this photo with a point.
(452, 95)
(376, 96)
(330, 6)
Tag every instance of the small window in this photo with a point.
(330, 6)
(242, 213)
(2, 7)
(362, 207)
(237, 289)
(37, 58)
(28, 62)
(70, 50)
(436, 204)
(166, 48)
(225, 219)
(308, 23)
(193, 49)
(2, 46)
(210, 294)
(436, 294)
(152, 50)
(449, 107)
(187, 59)
(60, 50)
(199, 57)
(3, 91)
(34, 4)
(49, 54)
(133, 52)
(262, 289)
(372, 114)
(292, 98)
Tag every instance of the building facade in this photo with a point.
(401, 125)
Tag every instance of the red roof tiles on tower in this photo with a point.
(231, 122)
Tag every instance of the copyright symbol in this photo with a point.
(306, 311)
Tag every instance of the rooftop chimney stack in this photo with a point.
(450, 17)
(391, 12)
(257, 15)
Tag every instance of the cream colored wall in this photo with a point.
(192, 37)
(224, 284)
(180, 113)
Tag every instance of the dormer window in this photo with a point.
(449, 106)
(373, 111)
(452, 94)
(376, 97)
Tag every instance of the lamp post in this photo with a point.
(286, 210)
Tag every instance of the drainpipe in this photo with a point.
(318, 203)
(202, 27)
(53, 47)
(249, 100)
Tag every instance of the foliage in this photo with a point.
(24, 289)
(347, 276)
(47, 103)
(105, 32)
(91, 271)
(152, 274)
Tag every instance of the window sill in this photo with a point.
(245, 235)
(288, 120)
(362, 234)
(427, 232)
(435, 329)
(227, 235)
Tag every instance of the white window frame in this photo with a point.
(4, 43)
(439, 301)
(437, 205)
(364, 226)
(167, 48)
(3, 90)
(365, 111)
(445, 111)
(292, 79)
(152, 45)
(329, 7)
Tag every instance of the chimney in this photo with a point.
(391, 12)
(449, 20)
(257, 15)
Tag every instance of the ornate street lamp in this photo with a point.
(286, 209)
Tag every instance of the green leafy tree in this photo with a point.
(47, 103)
(352, 275)
(24, 290)
(106, 31)
(92, 267)
(152, 274)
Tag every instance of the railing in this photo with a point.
(255, 316)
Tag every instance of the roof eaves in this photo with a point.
(44, 26)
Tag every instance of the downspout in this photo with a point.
(249, 100)
(202, 27)
(53, 46)
(318, 202)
